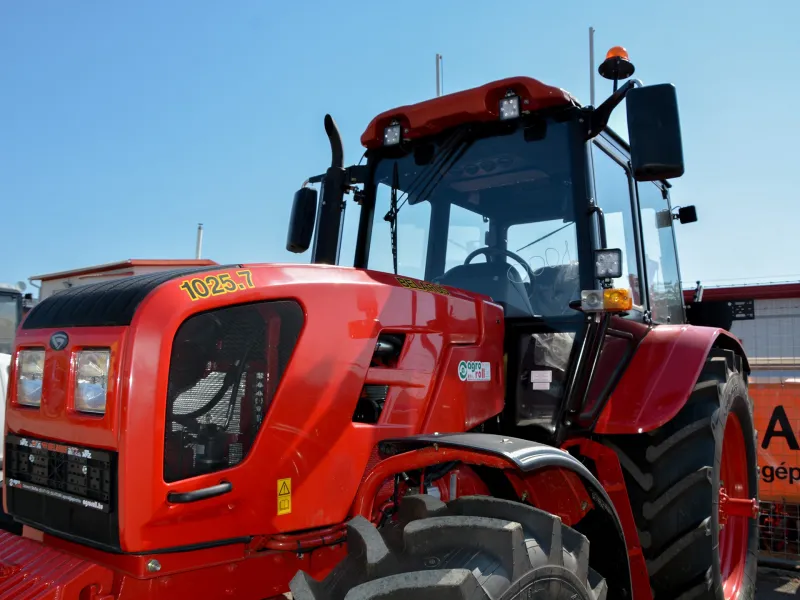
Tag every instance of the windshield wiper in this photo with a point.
(544, 237)
(391, 216)
(445, 161)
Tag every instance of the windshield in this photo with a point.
(10, 309)
(493, 215)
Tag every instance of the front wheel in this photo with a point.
(475, 547)
(691, 484)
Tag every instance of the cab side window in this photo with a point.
(612, 188)
(658, 236)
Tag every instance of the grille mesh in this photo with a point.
(225, 368)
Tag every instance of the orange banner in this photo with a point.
(777, 421)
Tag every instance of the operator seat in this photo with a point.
(498, 280)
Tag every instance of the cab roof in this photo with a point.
(479, 104)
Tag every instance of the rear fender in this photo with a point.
(660, 377)
(537, 472)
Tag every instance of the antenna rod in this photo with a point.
(199, 240)
(591, 65)
(438, 77)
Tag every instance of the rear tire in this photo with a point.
(475, 547)
(673, 477)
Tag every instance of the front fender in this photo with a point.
(525, 455)
(517, 455)
(660, 377)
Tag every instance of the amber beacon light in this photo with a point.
(617, 66)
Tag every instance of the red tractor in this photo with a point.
(499, 399)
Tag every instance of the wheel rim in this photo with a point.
(733, 535)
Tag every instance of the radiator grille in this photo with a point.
(62, 488)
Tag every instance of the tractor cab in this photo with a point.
(515, 192)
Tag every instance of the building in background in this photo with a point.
(53, 283)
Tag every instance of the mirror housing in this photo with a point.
(687, 214)
(301, 222)
(654, 131)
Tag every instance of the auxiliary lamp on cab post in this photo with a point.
(607, 267)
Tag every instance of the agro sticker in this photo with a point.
(473, 370)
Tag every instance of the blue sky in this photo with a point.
(124, 124)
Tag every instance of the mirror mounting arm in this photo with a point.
(598, 118)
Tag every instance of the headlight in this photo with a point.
(30, 371)
(91, 381)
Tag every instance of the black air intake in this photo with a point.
(64, 489)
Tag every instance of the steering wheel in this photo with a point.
(492, 250)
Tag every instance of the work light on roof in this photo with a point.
(509, 107)
(391, 134)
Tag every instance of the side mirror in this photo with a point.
(654, 131)
(687, 214)
(301, 223)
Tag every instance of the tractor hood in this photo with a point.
(141, 404)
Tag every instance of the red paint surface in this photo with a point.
(478, 104)
(609, 473)
(364, 503)
(734, 527)
(659, 378)
(615, 351)
(29, 570)
(44, 572)
(308, 434)
(57, 419)
(555, 490)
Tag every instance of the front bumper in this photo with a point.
(30, 570)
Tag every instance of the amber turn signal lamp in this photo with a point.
(608, 300)
(617, 299)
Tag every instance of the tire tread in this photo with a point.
(522, 539)
(674, 511)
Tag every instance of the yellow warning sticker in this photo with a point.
(284, 496)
